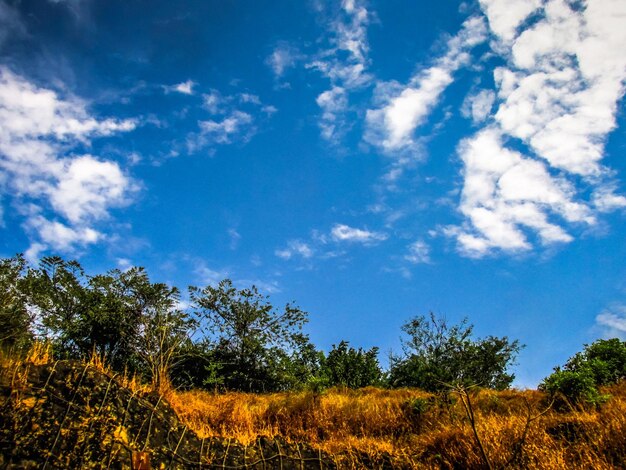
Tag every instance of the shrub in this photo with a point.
(601, 363)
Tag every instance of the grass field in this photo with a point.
(516, 429)
(406, 428)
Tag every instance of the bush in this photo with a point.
(601, 363)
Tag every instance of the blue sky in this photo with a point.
(370, 160)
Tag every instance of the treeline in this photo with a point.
(228, 338)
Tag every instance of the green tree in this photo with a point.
(15, 319)
(248, 334)
(350, 367)
(577, 383)
(121, 315)
(56, 291)
(437, 355)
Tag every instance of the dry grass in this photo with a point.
(416, 430)
(408, 428)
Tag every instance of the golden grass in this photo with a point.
(416, 430)
(407, 427)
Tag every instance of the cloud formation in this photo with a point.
(186, 88)
(283, 57)
(401, 109)
(345, 233)
(345, 65)
(557, 95)
(232, 119)
(61, 195)
(418, 253)
(295, 248)
(613, 322)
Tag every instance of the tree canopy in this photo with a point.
(229, 337)
(438, 355)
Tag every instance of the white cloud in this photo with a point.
(88, 188)
(419, 252)
(295, 248)
(186, 88)
(37, 128)
(214, 101)
(505, 192)
(235, 237)
(478, 106)
(222, 132)
(558, 94)
(333, 102)
(60, 236)
(404, 108)
(210, 277)
(233, 119)
(345, 65)
(249, 98)
(282, 58)
(605, 200)
(345, 233)
(565, 77)
(613, 322)
(505, 16)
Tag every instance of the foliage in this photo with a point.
(601, 363)
(15, 320)
(121, 316)
(438, 356)
(353, 368)
(252, 339)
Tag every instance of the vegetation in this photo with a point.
(415, 429)
(579, 381)
(443, 403)
(352, 368)
(439, 356)
(228, 339)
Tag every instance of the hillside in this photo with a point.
(68, 414)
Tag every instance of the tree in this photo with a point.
(248, 333)
(352, 368)
(15, 319)
(438, 355)
(56, 292)
(121, 315)
(577, 383)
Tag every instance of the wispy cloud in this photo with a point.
(401, 109)
(233, 119)
(558, 94)
(43, 178)
(235, 238)
(612, 322)
(418, 253)
(206, 275)
(478, 106)
(295, 248)
(223, 131)
(345, 64)
(283, 57)
(345, 233)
